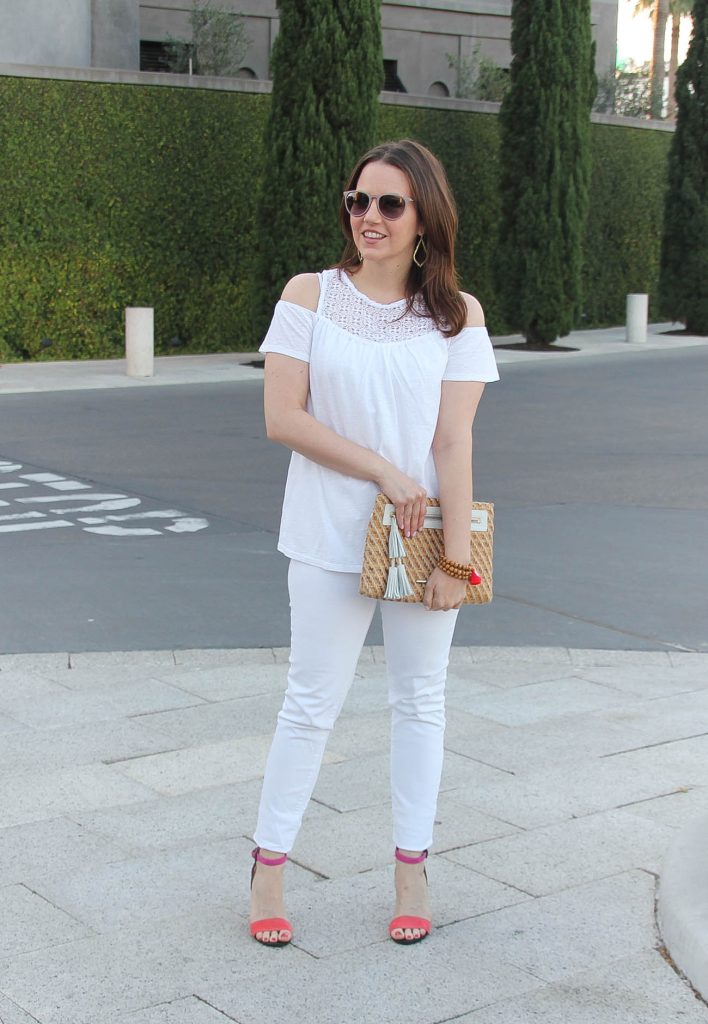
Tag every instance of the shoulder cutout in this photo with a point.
(302, 290)
(475, 313)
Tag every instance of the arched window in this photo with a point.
(246, 73)
(438, 89)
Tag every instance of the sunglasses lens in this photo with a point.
(392, 207)
(357, 203)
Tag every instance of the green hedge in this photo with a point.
(118, 195)
(121, 195)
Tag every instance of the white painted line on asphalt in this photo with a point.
(169, 513)
(24, 515)
(182, 522)
(188, 525)
(49, 524)
(103, 505)
(68, 485)
(71, 497)
(41, 478)
(122, 531)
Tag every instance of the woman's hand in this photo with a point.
(408, 497)
(443, 592)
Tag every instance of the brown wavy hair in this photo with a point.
(437, 280)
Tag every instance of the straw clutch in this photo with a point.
(397, 568)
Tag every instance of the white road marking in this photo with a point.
(102, 505)
(68, 485)
(41, 478)
(169, 513)
(182, 522)
(72, 497)
(25, 515)
(122, 531)
(48, 525)
(188, 525)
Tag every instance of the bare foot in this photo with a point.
(267, 897)
(412, 899)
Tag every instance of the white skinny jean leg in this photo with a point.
(417, 653)
(329, 622)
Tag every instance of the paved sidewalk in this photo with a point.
(129, 788)
(79, 375)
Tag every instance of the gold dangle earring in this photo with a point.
(419, 261)
(361, 258)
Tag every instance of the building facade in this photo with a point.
(425, 42)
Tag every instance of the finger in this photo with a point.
(400, 513)
(407, 520)
(415, 515)
(422, 508)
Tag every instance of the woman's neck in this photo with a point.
(381, 283)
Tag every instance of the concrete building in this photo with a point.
(419, 36)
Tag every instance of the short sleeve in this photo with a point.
(290, 331)
(471, 356)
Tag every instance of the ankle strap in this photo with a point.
(410, 860)
(273, 863)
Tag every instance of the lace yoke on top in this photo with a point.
(345, 306)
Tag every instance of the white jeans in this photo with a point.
(329, 622)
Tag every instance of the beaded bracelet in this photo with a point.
(455, 569)
(459, 571)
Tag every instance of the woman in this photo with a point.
(373, 373)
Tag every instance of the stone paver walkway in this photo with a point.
(129, 790)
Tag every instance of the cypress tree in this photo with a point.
(327, 67)
(683, 280)
(545, 159)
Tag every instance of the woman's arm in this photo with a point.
(287, 384)
(452, 453)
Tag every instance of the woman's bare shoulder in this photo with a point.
(302, 290)
(475, 313)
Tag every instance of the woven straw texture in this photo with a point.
(422, 553)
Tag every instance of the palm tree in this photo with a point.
(660, 11)
(679, 10)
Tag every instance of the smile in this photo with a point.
(373, 234)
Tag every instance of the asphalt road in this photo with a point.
(598, 470)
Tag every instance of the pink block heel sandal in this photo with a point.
(399, 924)
(269, 924)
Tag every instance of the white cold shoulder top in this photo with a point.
(375, 377)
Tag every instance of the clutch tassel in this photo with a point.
(397, 584)
(395, 541)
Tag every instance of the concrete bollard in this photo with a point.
(637, 316)
(139, 340)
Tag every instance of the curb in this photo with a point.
(232, 367)
(572, 657)
(683, 903)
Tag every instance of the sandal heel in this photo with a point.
(269, 924)
(406, 920)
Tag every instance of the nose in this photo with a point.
(373, 213)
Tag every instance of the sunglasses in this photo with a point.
(391, 206)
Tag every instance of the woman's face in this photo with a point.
(377, 239)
